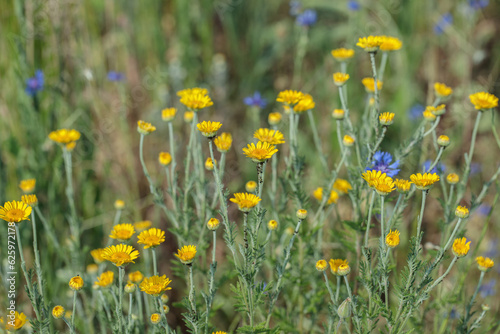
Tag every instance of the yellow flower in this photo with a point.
(369, 84)
(142, 225)
(18, 322)
(58, 312)
(342, 54)
(318, 194)
(452, 178)
(339, 79)
(348, 141)
(151, 238)
(223, 142)
(403, 186)
(97, 255)
(76, 283)
(342, 186)
(289, 97)
(460, 247)
(209, 129)
(119, 204)
(273, 137)
(484, 263)
(483, 100)
(209, 164)
(442, 90)
(372, 177)
(250, 186)
(70, 146)
(196, 101)
(462, 212)
(191, 91)
(245, 201)
(386, 118)
(370, 43)
(145, 128)
(120, 255)
(274, 118)
(344, 270)
(186, 254)
(335, 264)
(155, 318)
(105, 279)
(390, 43)
(438, 110)
(425, 181)
(304, 104)
(122, 232)
(213, 224)
(30, 200)
(321, 265)
(338, 114)
(384, 186)
(443, 141)
(164, 158)
(272, 224)
(15, 211)
(428, 114)
(302, 214)
(188, 116)
(92, 268)
(168, 114)
(64, 136)
(392, 238)
(155, 285)
(28, 185)
(219, 332)
(261, 152)
(164, 298)
(129, 288)
(135, 277)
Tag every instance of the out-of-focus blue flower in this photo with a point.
(492, 249)
(35, 84)
(454, 314)
(478, 4)
(307, 18)
(255, 101)
(353, 5)
(484, 209)
(115, 76)
(443, 23)
(415, 112)
(475, 168)
(382, 161)
(488, 289)
(295, 8)
(438, 169)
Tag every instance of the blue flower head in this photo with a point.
(488, 289)
(492, 250)
(307, 18)
(35, 84)
(454, 314)
(353, 5)
(255, 101)
(115, 76)
(438, 169)
(415, 112)
(382, 161)
(295, 8)
(478, 4)
(443, 23)
(475, 168)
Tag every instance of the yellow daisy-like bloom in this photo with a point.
(164, 158)
(342, 54)
(370, 43)
(15, 211)
(403, 186)
(348, 141)
(97, 255)
(344, 270)
(58, 312)
(260, 152)
(191, 91)
(483, 100)
(429, 116)
(28, 185)
(424, 181)
(119, 204)
(289, 97)
(64, 136)
(338, 114)
(442, 90)
(209, 164)
(145, 128)
(196, 101)
(245, 201)
(301, 214)
(335, 264)
(209, 129)
(305, 104)
(274, 118)
(384, 186)
(461, 247)
(105, 279)
(318, 193)
(70, 146)
(438, 110)
(155, 318)
(76, 283)
(390, 44)
(339, 79)
(452, 178)
(168, 114)
(372, 177)
(213, 224)
(186, 254)
(120, 255)
(219, 332)
(321, 265)
(142, 225)
(342, 186)
(188, 116)
(155, 285)
(443, 141)
(223, 142)
(250, 186)
(30, 200)
(462, 212)
(273, 137)
(386, 118)
(122, 232)
(151, 238)
(272, 224)
(392, 238)
(135, 277)
(19, 321)
(484, 263)
(369, 84)
(92, 268)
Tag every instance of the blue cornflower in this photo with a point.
(353, 5)
(115, 76)
(454, 314)
(478, 4)
(492, 249)
(307, 18)
(443, 23)
(484, 210)
(475, 168)
(295, 8)
(438, 169)
(488, 289)
(255, 101)
(382, 161)
(415, 112)
(35, 84)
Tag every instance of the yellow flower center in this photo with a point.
(120, 257)
(15, 214)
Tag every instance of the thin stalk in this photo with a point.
(329, 289)
(433, 127)
(38, 267)
(73, 314)
(368, 218)
(48, 228)
(211, 281)
(375, 81)
(317, 140)
(119, 307)
(139, 304)
(471, 303)
(382, 230)
(396, 207)
(468, 160)
(173, 164)
(191, 289)
(383, 64)
(155, 265)
(441, 278)
(337, 292)
(130, 303)
(354, 311)
(421, 217)
(105, 305)
(260, 179)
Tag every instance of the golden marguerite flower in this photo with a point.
(155, 285)
(274, 118)
(223, 142)
(452, 178)
(301, 213)
(209, 164)
(483, 100)
(273, 137)
(145, 128)
(403, 186)
(119, 204)
(372, 177)
(289, 97)
(304, 104)
(27, 186)
(142, 225)
(97, 255)
(186, 254)
(338, 114)
(135, 277)
(442, 90)
(339, 78)
(76, 283)
(429, 115)
(344, 270)
(462, 212)
(105, 279)
(164, 158)
(58, 312)
(321, 265)
(260, 152)
(250, 186)
(484, 263)
(370, 43)
(122, 232)
(168, 114)
(272, 224)
(245, 201)
(335, 264)
(342, 185)
(151, 238)
(460, 247)
(196, 101)
(188, 116)
(424, 181)
(392, 238)
(369, 84)
(318, 194)
(209, 129)
(213, 224)
(191, 91)
(120, 255)
(16, 324)
(219, 332)
(438, 110)
(155, 318)
(384, 186)
(15, 211)
(342, 54)
(443, 141)
(30, 200)
(390, 43)
(348, 141)
(64, 136)
(386, 118)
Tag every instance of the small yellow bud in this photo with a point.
(348, 141)
(155, 318)
(321, 265)
(462, 212)
(274, 118)
(188, 116)
(452, 178)
(250, 186)
(338, 114)
(301, 214)
(58, 312)
(119, 204)
(272, 225)
(213, 224)
(130, 288)
(443, 141)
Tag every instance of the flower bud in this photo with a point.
(274, 118)
(443, 141)
(272, 225)
(130, 288)
(301, 214)
(452, 178)
(462, 212)
(119, 204)
(343, 270)
(155, 318)
(188, 116)
(344, 310)
(338, 114)
(250, 186)
(58, 312)
(213, 224)
(321, 265)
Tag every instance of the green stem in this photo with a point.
(421, 217)
(155, 265)
(354, 311)
(173, 164)
(130, 303)
(394, 212)
(368, 218)
(375, 80)
(329, 289)
(191, 289)
(383, 64)
(337, 292)
(37, 254)
(441, 278)
(73, 314)
(48, 228)
(317, 140)
(119, 307)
